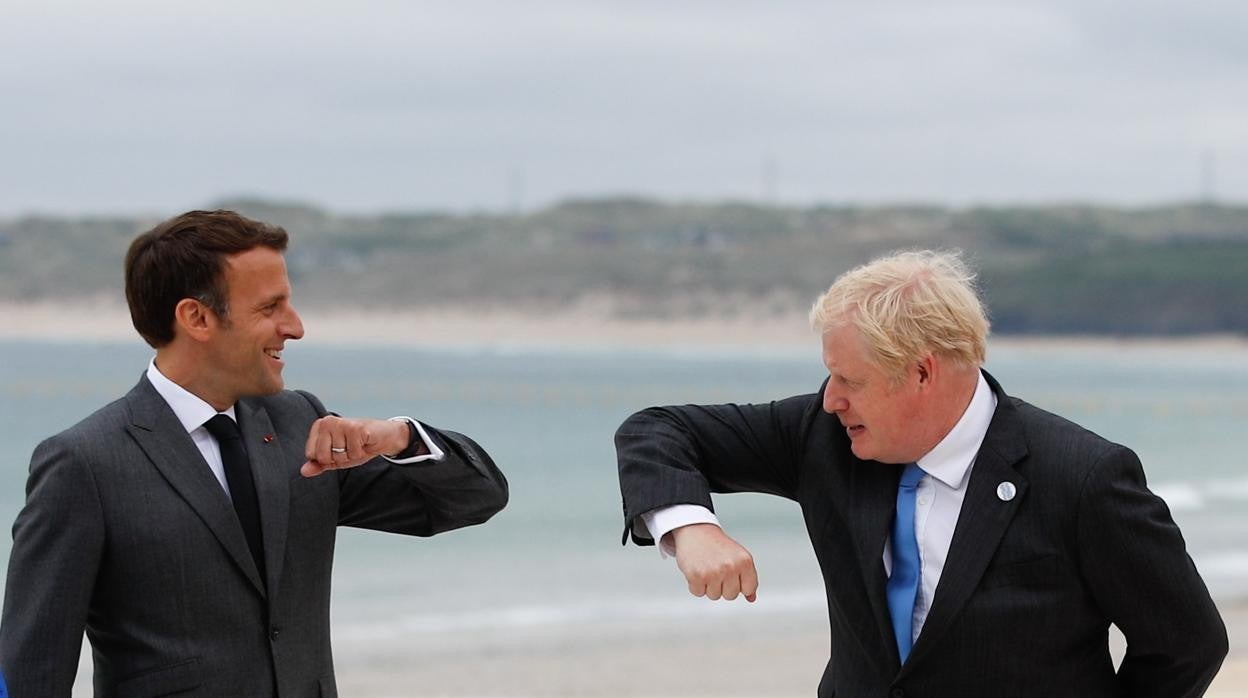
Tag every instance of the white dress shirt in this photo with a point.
(193, 413)
(937, 504)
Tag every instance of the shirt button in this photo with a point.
(274, 634)
(924, 500)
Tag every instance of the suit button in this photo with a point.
(898, 693)
(274, 634)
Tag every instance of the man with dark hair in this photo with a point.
(189, 526)
(184, 257)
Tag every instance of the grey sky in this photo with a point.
(133, 106)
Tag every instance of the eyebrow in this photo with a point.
(836, 375)
(272, 299)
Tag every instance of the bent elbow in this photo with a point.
(640, 423)
(1220, 644)
(1207, 650)
(489, 502)
(498, 501)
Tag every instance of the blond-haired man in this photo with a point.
(970, 543)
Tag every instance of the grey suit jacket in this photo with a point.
(126, 533)
(1030, 585)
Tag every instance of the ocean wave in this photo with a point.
(1183, 495)
(1225, 570)
(553, 616)
(1231, 563)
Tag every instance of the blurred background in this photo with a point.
(393, 106)
(547, 215)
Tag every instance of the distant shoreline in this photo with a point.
(576, 328)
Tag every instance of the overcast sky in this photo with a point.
(131, 106)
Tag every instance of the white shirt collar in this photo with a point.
(951, 460)
(189, 408)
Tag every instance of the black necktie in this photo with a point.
(242, 488)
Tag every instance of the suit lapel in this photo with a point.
(171, 450)
(982, 522)
(873, 501)
(272, 485)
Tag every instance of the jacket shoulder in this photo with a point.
(100, 425)
(290, 402)
(1061, 445)
(1047, 426)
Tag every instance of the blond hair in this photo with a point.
(908, 305)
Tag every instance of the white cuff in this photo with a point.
(663, 520)
(434, 453)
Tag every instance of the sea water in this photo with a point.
(551, 564)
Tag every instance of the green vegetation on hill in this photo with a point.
(1054, 269)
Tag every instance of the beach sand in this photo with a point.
(739, 657)
(589, 325)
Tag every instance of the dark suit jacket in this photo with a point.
(127, 533)
(1030, 585)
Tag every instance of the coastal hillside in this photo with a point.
(1179, 269)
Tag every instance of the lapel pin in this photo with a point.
(268, 438)
(1006, 491)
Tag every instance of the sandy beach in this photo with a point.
(779, 656)
(744, 657)
(589, 325)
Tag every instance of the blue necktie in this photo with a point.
(903, 584)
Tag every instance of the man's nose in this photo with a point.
(293, 327)
(833, 403)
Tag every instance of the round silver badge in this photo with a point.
(1006, 491)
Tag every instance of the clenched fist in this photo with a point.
(715, 565)
(337, 442)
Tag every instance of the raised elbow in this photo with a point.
(495, 501)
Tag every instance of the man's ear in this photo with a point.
(194, 319)
(926, 369)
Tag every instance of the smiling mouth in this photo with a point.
(275, 354)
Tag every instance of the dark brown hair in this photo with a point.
(184, 257)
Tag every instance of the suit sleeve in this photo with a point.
(680, 455)
(57, 542)
(1139, 571)
(463, 489)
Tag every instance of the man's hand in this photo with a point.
(336, 442)
(715, 565)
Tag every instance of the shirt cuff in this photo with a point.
(659, 522)
(435, 453)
